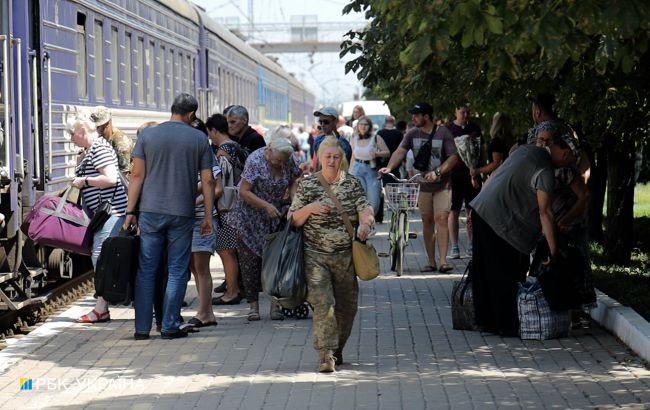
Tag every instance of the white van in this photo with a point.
(376, 110)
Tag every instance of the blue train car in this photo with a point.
(62, 56)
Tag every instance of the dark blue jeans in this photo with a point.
(156, 230)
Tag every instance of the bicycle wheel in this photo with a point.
(401, 242)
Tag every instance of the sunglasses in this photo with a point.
(325, 122)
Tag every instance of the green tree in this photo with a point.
(593, 54)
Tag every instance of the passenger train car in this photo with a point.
(61, 56)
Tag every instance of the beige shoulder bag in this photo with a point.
(364, 255)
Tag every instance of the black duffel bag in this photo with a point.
(462, 302)
(283, 272)
(560, 281)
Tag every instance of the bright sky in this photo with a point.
(322, 73)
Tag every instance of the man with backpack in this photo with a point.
(240, 131)
(435, 156)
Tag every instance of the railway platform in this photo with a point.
(403, 354)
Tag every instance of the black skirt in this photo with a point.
(497, 270)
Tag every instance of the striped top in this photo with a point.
(199, 208)
(99, 155)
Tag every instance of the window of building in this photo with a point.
(179, 78)
(190, 75)
(82, 68)
(128, 86)
(99, 60)
(115, 80)
(140, 70)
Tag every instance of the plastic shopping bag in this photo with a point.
(283, 273)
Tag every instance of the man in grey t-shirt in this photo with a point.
(162, 192)
(508, 216)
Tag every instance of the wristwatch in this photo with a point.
(437, 172)
(86, 182)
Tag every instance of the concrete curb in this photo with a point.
(625, 323)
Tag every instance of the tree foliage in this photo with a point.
(592, 54)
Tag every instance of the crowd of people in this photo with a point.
(196, 188)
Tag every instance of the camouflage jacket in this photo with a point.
(327, 233)
(123, 145)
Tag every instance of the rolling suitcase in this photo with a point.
(116, 268)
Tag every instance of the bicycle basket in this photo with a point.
(402, 196)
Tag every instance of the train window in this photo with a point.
(140, 70)
(82, 68)
(163, 77)
(115, 80)
(148, 53)
(179, 78)
(99, 60)
(127, 68)
(190, 72)
(172, 88)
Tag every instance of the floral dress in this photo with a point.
(254, 224)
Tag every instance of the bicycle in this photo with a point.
(400, 197)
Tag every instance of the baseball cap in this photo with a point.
(421, 108)
(100, 115)
(327, 112)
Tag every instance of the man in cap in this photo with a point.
(328, 119)
(435, 188)
(121, 142)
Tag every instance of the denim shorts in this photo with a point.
(204, 243)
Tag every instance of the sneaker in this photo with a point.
(326, 362)
(174, 335)
(141, 336)
(455, 252)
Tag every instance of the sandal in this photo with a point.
(445, 267)
(98, 317)
(234, 301)
(196, 322)
(253, 316)
(429, 268)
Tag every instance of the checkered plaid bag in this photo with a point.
(536, 319)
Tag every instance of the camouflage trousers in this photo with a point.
(333, 292)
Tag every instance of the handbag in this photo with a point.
(283, 272)
(226, 201)
(55, 222)
(462, 302)
(102, 213)
(423, 158)
(364, 255)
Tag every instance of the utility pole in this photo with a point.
(251, 16)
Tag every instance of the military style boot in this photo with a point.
(326, 361)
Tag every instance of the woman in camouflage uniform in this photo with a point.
(331, 281)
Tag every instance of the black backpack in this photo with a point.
(116, 268)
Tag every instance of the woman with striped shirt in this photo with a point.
(97, 177)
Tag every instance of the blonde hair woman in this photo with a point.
(331, 281)
(269, 174)
(97, 178)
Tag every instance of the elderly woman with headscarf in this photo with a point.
(97, 178)
(268, 178)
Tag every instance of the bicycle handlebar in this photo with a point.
(404, 180)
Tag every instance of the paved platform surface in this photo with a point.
(403, 354)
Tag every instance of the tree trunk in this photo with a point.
(619, 239)
(597, 189)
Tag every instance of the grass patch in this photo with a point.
(642, 200)
(630, 285)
